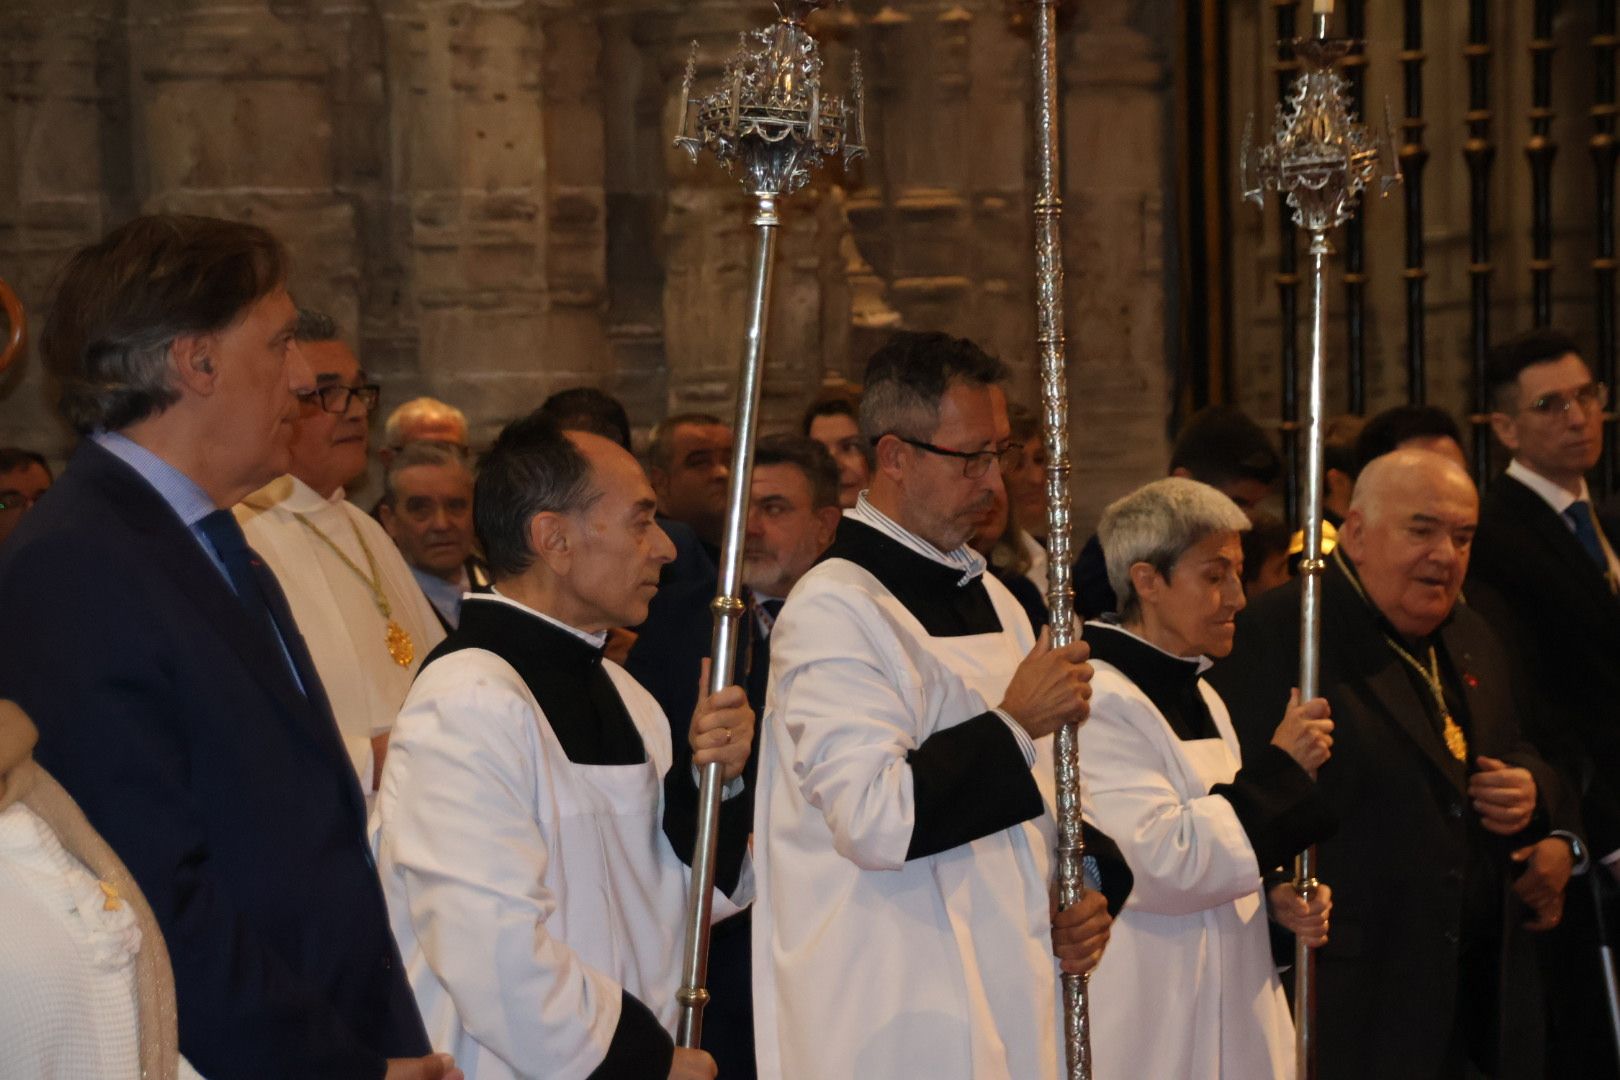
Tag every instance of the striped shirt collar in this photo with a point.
(964, 558)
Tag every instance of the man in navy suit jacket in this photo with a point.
(174, 696)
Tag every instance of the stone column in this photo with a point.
(1114, 175)
(63, 173)
(232, 118)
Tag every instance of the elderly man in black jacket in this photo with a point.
(1443, 857)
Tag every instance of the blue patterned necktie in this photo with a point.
(244, 568)
(1579, 515)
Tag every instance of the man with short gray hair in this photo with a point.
(360, 611)
(904, 812)
(427, 508)
(422, 419)
(1441, 801)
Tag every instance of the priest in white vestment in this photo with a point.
(1188, 988)
(365, 620)
(903, 829)
(532, 839)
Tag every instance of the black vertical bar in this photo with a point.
(1604, 150)
(1479, 152)
(1541, 150)
(1414, 156)
(1355, 277)
(1288, 280)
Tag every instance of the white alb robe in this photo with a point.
(866, 964)
(336, 611)
(525, 890)
(1187, 987)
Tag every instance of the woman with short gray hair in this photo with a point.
(1187, 987)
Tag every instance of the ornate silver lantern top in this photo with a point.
(1320, 158)
(769, 117)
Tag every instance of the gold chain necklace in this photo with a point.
(1456, 741)
(395, 638)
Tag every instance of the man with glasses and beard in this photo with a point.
(903, 823)
(366, 621)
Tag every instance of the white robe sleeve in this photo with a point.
(471, 857)
(1186, 854)
(850, 730)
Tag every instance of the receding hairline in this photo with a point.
(601, 452)
(1404, 467)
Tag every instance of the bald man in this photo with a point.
(1441, 802)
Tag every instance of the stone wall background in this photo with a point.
(1253, 260)
(485, 193)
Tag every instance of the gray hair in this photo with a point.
(314, 326)
(1156, 524)
(533, 468)
(910, 373)
(121, 303)
(422, 453)
(414, 410)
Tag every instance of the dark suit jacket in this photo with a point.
(1535, 582)
(174, 721)
(1389, 975)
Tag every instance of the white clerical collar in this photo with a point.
(595, 641)
(964, 558)
(291, 495)
(1552, 494)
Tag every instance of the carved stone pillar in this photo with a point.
(232, 118)
(1114, 173)
(62, 115)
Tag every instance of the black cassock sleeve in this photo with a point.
(680, 824)
(969, 781)
(640, 1048)
(1279, 807)
(1115, 879)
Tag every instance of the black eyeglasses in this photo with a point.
(1591, 398)
(335, 399)
(975, 463)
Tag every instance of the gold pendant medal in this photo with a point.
(1456, 741)
(400, 646)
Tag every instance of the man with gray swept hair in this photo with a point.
(422, 419)
(427, 508)
(904, 812)
(1440, 799)
(174, 695)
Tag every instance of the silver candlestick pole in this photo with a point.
(771, 125)
(1055, 409)
(1320, 159)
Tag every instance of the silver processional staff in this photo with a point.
(1055, 415)
(771, 125)
(1319, 159)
